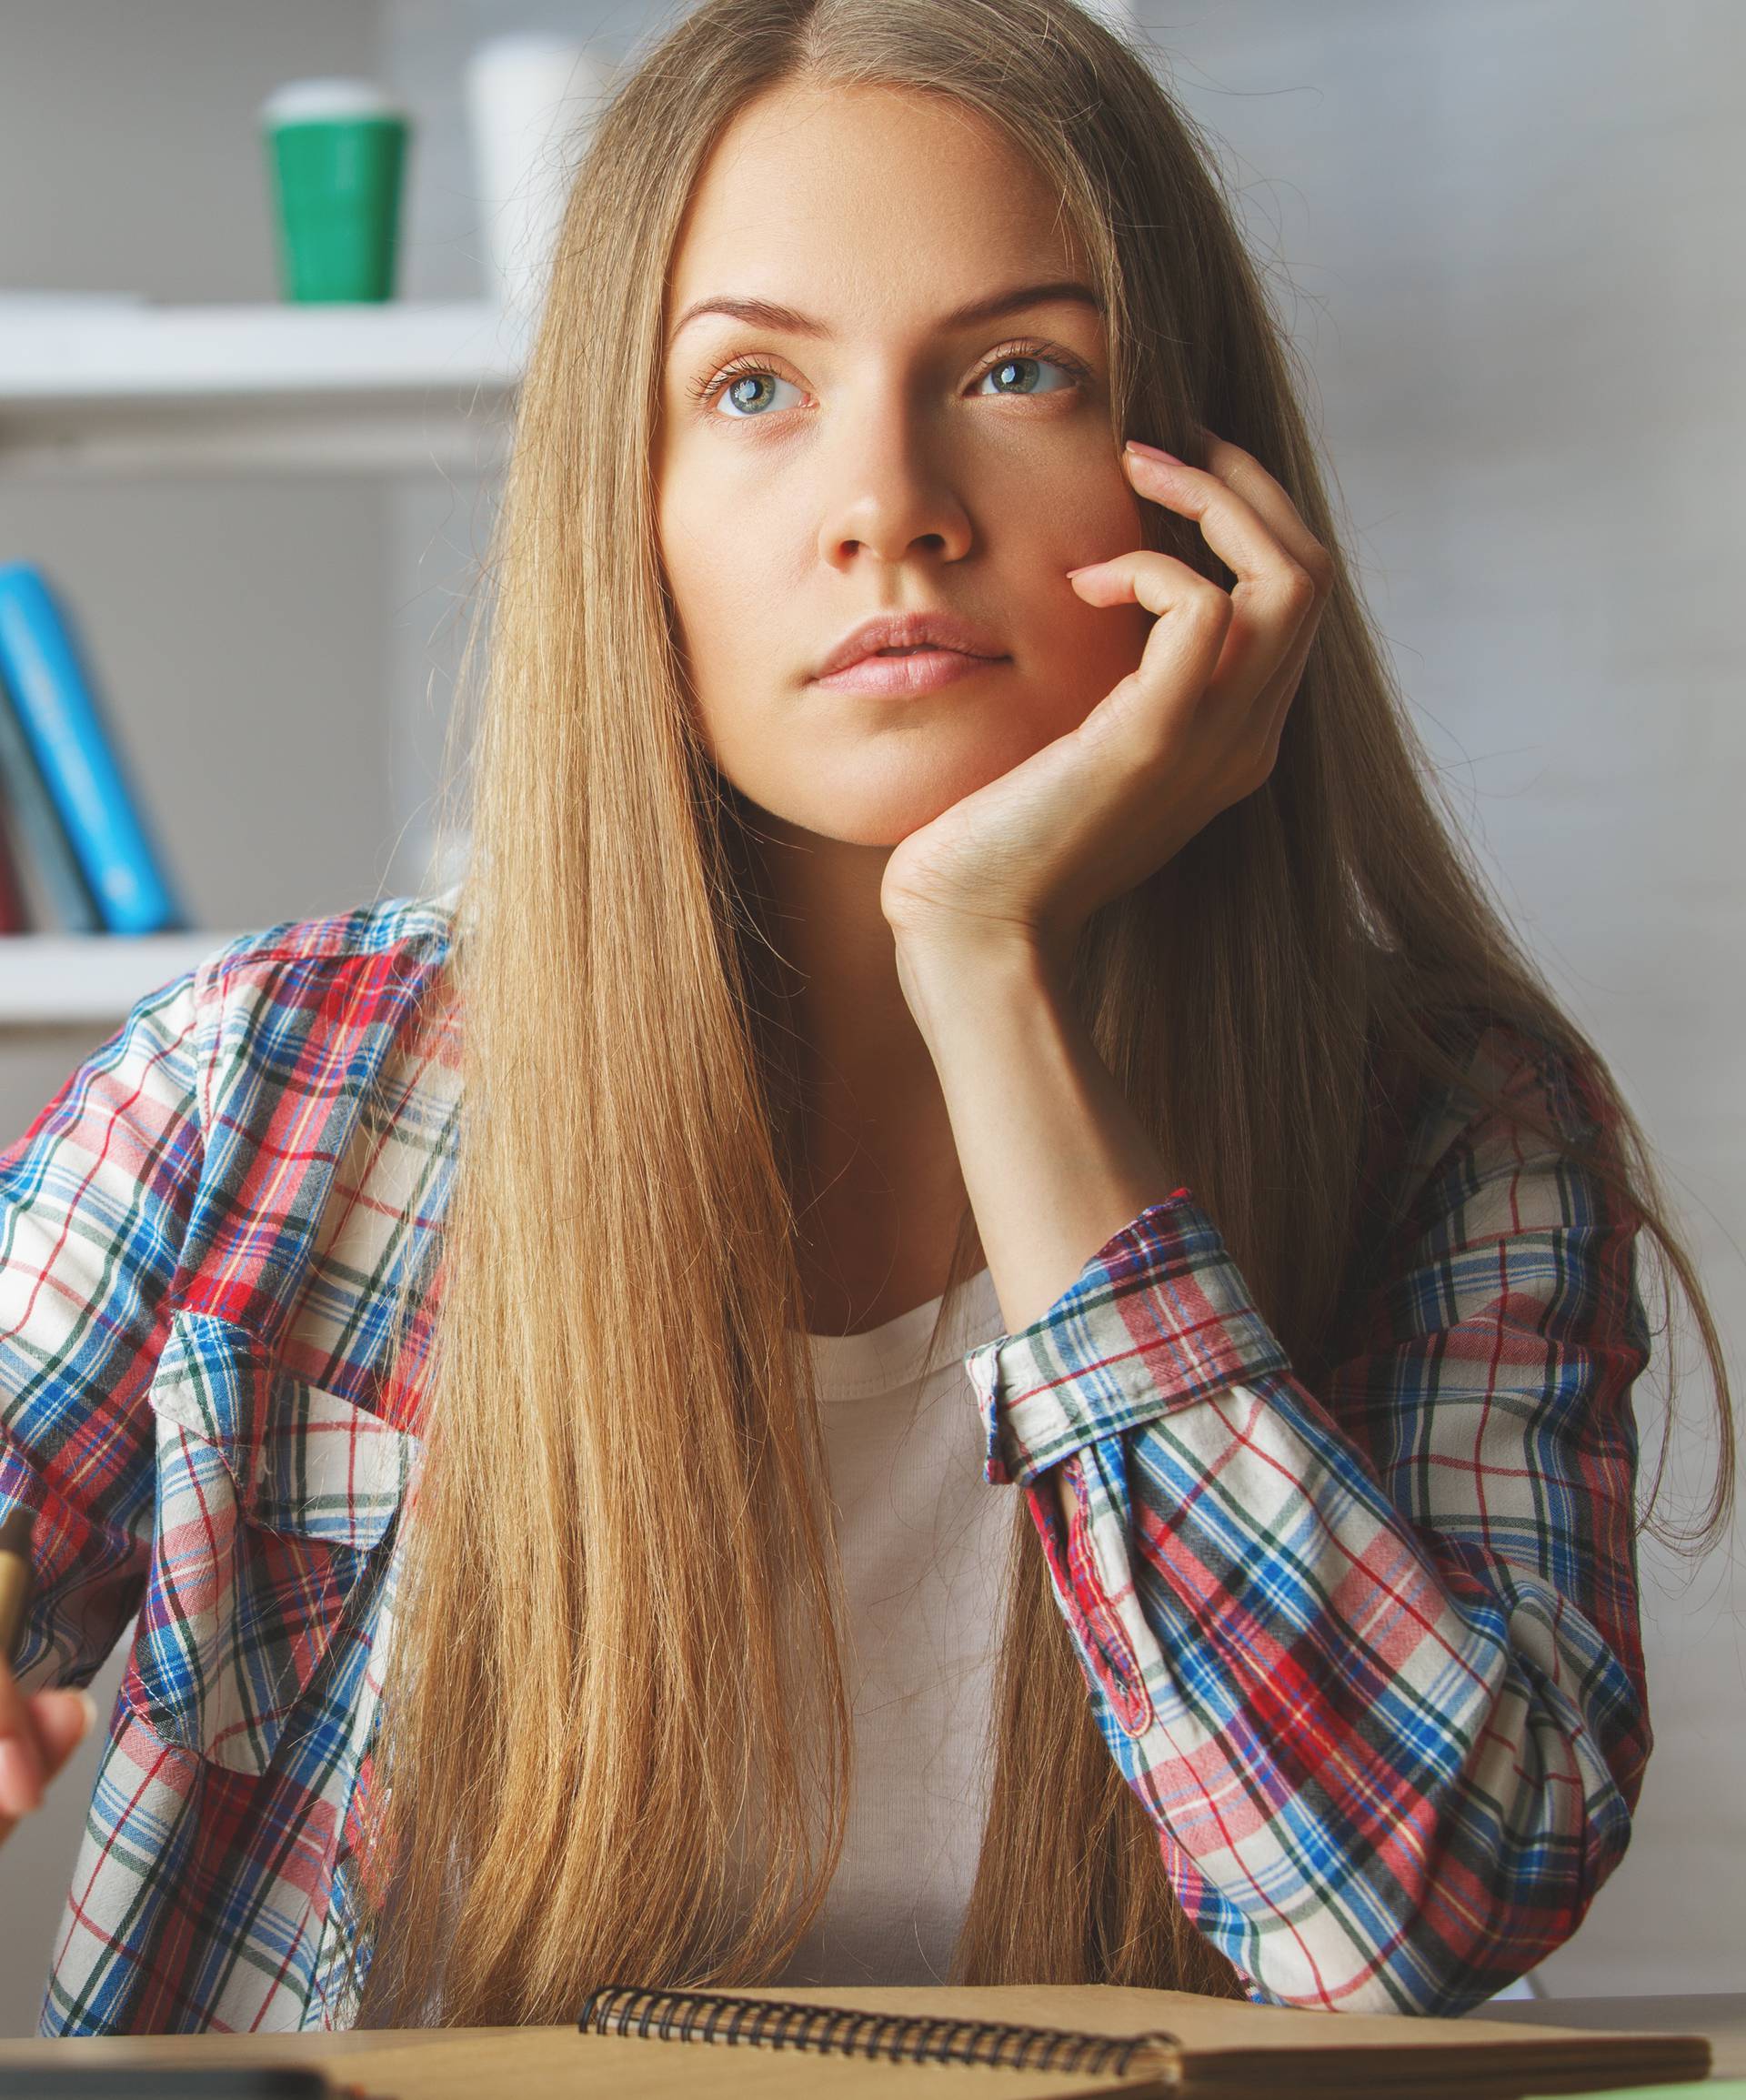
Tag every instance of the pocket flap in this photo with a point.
(302, 1459)
(270, 1493)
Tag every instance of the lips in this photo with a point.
(906, 674)
(918, 629)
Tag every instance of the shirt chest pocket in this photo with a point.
(272, 1497)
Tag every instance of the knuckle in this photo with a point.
(1300, 588)
(1207, 603)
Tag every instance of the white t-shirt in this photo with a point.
(925, 1539)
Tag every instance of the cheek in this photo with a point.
(722, 558)
(717, 613)
(1078, 651)
(1086, 652)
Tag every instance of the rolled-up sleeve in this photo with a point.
(1370, 1659)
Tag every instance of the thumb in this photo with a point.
(63, 1719)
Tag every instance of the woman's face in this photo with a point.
(890, 460)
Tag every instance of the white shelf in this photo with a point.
(83, 979)
(368, 388)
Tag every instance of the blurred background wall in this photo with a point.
(1498, 231)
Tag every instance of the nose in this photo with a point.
(891, 493)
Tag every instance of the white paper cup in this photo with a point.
(531, 101)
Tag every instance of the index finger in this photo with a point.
(1243, 472)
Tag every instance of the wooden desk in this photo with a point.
(557, 2064)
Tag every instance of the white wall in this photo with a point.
(1502, 232)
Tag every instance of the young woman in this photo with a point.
(419, 1316)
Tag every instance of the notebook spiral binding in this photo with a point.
(905, 2038)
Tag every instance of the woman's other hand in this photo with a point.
(38, 1732)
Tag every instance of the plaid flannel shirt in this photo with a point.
(1368, 1653)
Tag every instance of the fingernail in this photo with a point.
(90, 1706)
(1155, 452)
(1083, 566)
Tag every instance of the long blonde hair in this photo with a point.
(618, 1639)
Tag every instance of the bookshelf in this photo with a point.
(101, 388)
(90, 979)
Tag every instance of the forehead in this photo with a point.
(839, 200)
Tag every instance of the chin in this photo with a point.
(884, 813)
(874, 799)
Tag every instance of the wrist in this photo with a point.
(946, 971)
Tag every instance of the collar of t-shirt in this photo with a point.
(889, 1357)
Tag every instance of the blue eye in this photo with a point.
(734, 378)
(1012, 357)
(729, 381)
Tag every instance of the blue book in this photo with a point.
(34, 828)
(42, 680)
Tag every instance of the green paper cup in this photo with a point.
(335, 153)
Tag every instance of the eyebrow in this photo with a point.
(766, 314)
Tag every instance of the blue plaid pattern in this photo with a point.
(1367, 1654)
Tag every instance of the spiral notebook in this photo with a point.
(1102, 2038)
(948, 2043)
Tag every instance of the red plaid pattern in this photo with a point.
(1365, 1646)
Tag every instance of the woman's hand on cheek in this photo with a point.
(1193, 729)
